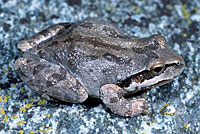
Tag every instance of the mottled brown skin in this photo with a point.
(71, 61)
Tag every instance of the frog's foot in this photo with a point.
(111, 95)
(50, 81)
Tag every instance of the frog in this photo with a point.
(73, 61)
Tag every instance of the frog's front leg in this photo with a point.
(50, 80)
(112, 97)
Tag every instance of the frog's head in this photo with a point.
(161, 65)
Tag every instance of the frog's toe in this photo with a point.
(18, 63)
(139, 106)
(20, 67)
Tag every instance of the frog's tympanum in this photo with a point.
(71, 61)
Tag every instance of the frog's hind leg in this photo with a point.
(43, 35)
(51, 81)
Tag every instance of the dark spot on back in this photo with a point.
(57, 77)
(153, 46)
(138, 50)
(110, 31)
(19, 71)
(28, 61)
(49, 83)
(37, 69)
(112, 58)
(148, 50)
(91, 57)
(30, 83)
(53, 43)
(41, 54)
(152, 55)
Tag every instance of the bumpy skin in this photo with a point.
(70, 61)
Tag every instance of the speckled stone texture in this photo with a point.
(175, 107)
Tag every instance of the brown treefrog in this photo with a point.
(71, 61)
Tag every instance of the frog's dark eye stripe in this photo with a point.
(137, 78)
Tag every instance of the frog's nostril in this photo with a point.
(178, 63)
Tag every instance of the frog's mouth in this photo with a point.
(150, 78)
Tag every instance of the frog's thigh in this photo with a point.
(50, 81)
(111, 95)
(43, 35)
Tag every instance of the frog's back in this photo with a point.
(94, 52)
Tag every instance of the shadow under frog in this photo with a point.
(71, 61)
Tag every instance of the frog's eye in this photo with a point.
(158, 68)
